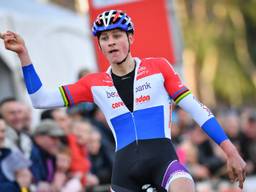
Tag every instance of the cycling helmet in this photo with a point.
(112, 19)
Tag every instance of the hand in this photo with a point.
(235, 164)
(236, 169)
(91, 180)
(13, 42)
(59, 180)
(24, 177)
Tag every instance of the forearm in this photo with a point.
(24, 58)
(228, 148)
(40, 96)
(203, 116)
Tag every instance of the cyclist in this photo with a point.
(134, 95)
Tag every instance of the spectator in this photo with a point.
(82, 131)
(99, 121)
(46, 142)
(206, 156)
(16, 168)
(16, 139)
(27, 119)
(59, 116)
(248, 143)
(80, 165)
(232, 127)
(15, 175)
(101, 158)
(64, 181)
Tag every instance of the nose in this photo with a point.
(111, 42)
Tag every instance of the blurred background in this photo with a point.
(210, 43)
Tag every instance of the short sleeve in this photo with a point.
(77, 92)
(172, 82)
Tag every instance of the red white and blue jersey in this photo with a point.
(154, 83)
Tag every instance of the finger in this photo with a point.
(231, 175)
(10, 32)
(9, 39)
(244, 174)
(241, 179)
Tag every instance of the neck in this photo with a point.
(124, 68)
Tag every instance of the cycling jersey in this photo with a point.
(154, 81)
(138, 130)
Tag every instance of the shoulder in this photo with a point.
(95, 78)
(155, 60)
(92, 76)
(159, 64)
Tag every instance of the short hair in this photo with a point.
(64, 149)
(6, 100)
(82, 73)
(47, 114)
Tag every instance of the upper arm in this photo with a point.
(77, 92)
(172, 82)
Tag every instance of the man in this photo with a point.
(134, 96)
(46, 142)
(13, 166)
(60, 117)
(248, 143)
(13, 114)
(101, 158)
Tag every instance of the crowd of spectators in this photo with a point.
(72, 150)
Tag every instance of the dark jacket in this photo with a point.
(41, 170)
(5, 184)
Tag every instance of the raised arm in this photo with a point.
(204, 117)
(15, 43)
(40, 97)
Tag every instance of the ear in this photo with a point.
(131, 38)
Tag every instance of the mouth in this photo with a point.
(113, 51)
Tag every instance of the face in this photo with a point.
(82, 131)
(95, 143)
(48, 143)
(27, 116)
(13, 114)
(24, 176)
(62, 119)
(2, 132)
(115, 45)
(63, 162)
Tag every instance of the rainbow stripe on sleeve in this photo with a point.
(67, 99)
(179, 95)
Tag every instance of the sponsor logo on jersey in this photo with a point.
(143, 87)
(117, 104)
(111, 94)
(204, 107)
(142, 99)
(142, 71)
(138, 100)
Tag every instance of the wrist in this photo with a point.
(24, 57)
(228, 148)
(22, 51)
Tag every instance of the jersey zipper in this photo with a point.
(135, 130)
(134, 101)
